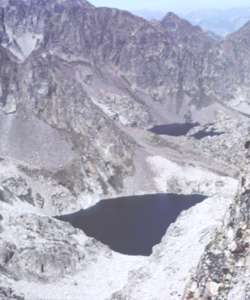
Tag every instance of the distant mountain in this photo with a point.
(221, 22)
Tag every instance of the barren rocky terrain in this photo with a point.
(80, 89)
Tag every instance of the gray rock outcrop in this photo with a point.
(223, 272)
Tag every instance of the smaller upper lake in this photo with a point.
(175, 129)
(132, 225)
(182, 129)
(205, 133)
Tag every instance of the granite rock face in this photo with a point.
(8, 71)
(38, 248)
(43, 98)
(57, 255)
(223, 272)
(126, 56)
(227, 70)
(161, 71)
(8, 293)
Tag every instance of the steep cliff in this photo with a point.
(223, 272)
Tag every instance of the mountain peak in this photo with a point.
(170, 19)
(185, 33)
(173, 22)
(244, 30)
(171, 15)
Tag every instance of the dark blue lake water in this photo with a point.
(175, 129)
(181, 129)
(132, 225)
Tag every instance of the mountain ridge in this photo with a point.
(222, 22)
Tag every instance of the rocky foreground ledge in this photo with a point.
(223, 272)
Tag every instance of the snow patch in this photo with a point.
(173, 178)
(24, 44)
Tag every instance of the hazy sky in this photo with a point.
(181, 6)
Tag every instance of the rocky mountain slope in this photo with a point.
(55, 55)
(223, 272)
(79, 87)
(229, 68)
